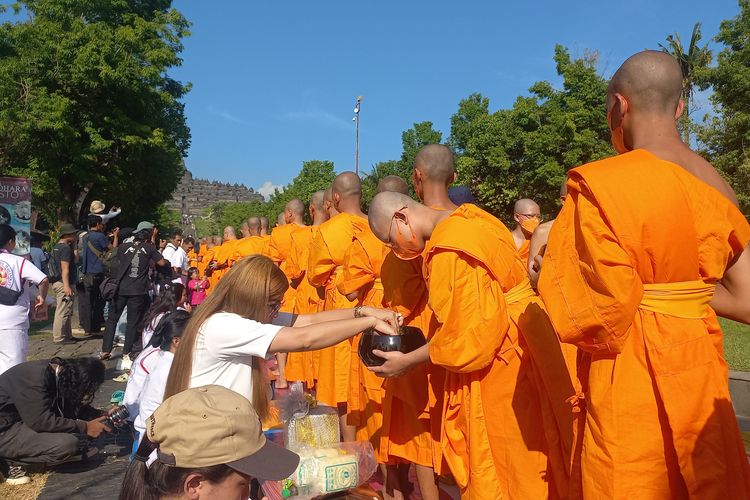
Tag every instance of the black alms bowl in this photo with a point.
(409, 339)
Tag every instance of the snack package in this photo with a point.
(318, 429)
(307, 424)
(327, 470)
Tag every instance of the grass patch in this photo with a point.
(736, 344)
(25, 491)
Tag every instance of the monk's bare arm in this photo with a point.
(536, 248)
(732, 297)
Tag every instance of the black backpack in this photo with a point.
(54, 268)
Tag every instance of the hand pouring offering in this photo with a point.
(409, 338)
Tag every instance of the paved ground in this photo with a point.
(101, 477)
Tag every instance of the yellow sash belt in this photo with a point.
(377, 284)
(683, 299)
(519, 292)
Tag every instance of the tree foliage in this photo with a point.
(525, 151)
(86, 104)
(726, 136)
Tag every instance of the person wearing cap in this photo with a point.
(97, 208)
(62, 276)
(134, 262)
(204, 443)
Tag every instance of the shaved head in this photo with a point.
(526, 206)
(328, 195)
(651, 82)
(253, 226)
(229, 233)
(436, 162)
(347, 184)
(264, 222)
(317, 198)
(296, 206)
(382, 209)
(393, 183)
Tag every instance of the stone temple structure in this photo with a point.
(192, 196)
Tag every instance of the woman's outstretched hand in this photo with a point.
(385, 328)
(391, 317)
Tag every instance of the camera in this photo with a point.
(118, 417)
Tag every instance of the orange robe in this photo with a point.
(279, 250)
(301, 366)
(192, 257)
(250, 245)
(325, 268)
(523, 250)
(206, 254)
(224, 255)
(493, 437)
(659, 420)
(266, 244)
(362, 264)
(412, 402)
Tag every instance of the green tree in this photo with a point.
(469, 111)
(314, 176)
(525, 151)
(726, 136)
(87, 107)
(692, 62)
(412, 141)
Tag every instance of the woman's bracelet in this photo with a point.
(358, 312)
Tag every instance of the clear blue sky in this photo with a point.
(274, 83)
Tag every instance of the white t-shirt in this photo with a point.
(179, 259)
(153, 390)
(224, 351)
(143, 365)
(168, 252)
(16, 317)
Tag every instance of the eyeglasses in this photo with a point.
(530, 216)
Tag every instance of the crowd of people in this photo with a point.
(579, 357)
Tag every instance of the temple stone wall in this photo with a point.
(192, 195)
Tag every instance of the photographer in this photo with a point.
(41, 403)
(62, 276)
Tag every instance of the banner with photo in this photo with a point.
(15, 209)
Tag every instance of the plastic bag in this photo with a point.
(327, 470)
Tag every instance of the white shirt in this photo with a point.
(169, 250)
(179, 259)
(224, 350)
(153, 390)
(16, 317)
(143, 365)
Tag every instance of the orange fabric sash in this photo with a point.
(519, 292)
(683, 299)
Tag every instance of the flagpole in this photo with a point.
(356, 137)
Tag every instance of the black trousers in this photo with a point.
(22, 444)
(137, 306)
(92, 304)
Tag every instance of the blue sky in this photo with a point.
(274, 83)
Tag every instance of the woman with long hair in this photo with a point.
(225, 451)
(166, 338)
(232, 332)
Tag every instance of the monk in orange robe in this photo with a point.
(252, 243)
(265, 233)
(527, 217)
(224, 257)
(538, 243)
(362, 283)
(326, 269)
(631, 266)
(484, 307)
(302, 366)
(279, 251)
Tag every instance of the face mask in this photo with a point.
(529, 225)
(617, 136)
